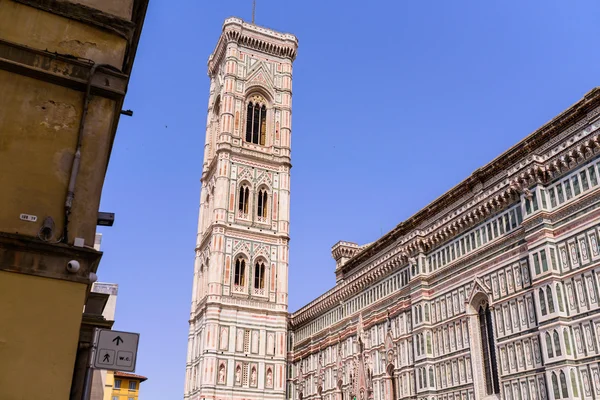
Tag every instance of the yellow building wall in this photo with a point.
(123, 393)
(39, 122)
(46, 31)
(39, 330)
(108, 385)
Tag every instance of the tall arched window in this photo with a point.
(567, 341)
(542, 301)
(239, 278)
(259, 275)
(261, 211)
(555, 386)
(563, 385)
(256, 121)
(549, 345)
(428, 342)
(243, 200)
(559, 298)
(431, 378)
(490, 368)
(550, 301)
(557, 349)
(574, 384)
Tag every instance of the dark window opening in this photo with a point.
(492, 384)
(256, 124)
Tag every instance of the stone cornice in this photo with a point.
(25, 255)
(267, 161)
(527, 168)
(61, 70)
(522, 166)
(283, 45)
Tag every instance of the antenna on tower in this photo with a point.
(253, 10)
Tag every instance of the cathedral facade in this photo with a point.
(489, 292)
(492, 291)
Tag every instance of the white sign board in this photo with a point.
(116, 351)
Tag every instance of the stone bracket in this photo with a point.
(61, 70)
(31, 256)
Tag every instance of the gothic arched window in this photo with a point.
(490, 368)
(542, 301)
(550, 301)
(563, 385)
(557, 349)
(549, 345)
(574, 384)
(261, 211)
(243, 200)
(567, 341)
(259, 275)
(256, 122)
(559, 298)
(555, 386)
(239, 278)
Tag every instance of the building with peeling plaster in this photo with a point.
(64, 71)
(489, 292)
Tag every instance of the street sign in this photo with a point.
(116, 351)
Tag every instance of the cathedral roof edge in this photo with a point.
(522, 149)
(410, 236)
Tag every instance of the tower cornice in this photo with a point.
(265, 40)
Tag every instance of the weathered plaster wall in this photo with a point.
(38, 340)
(36, 154)
(46, 31)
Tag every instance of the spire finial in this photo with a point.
(253, 10)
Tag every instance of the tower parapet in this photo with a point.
(342, 252)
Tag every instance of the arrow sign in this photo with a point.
(115, 350)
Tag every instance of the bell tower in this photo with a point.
(238, 319)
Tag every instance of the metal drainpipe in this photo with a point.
(77, 159)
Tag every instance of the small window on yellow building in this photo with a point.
(131, 385)
(117, 383)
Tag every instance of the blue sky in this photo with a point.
(394, 103)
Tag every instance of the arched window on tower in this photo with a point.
(239, 278)
(559, 298)
(256, 122)
(492, 384)
(542, 301)
(555, 387)
(567, 341)
(549, 346)
(563, 385)
(262, 200)
(557, 349)
(243, 201)
(550, 300)
(259, 277)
